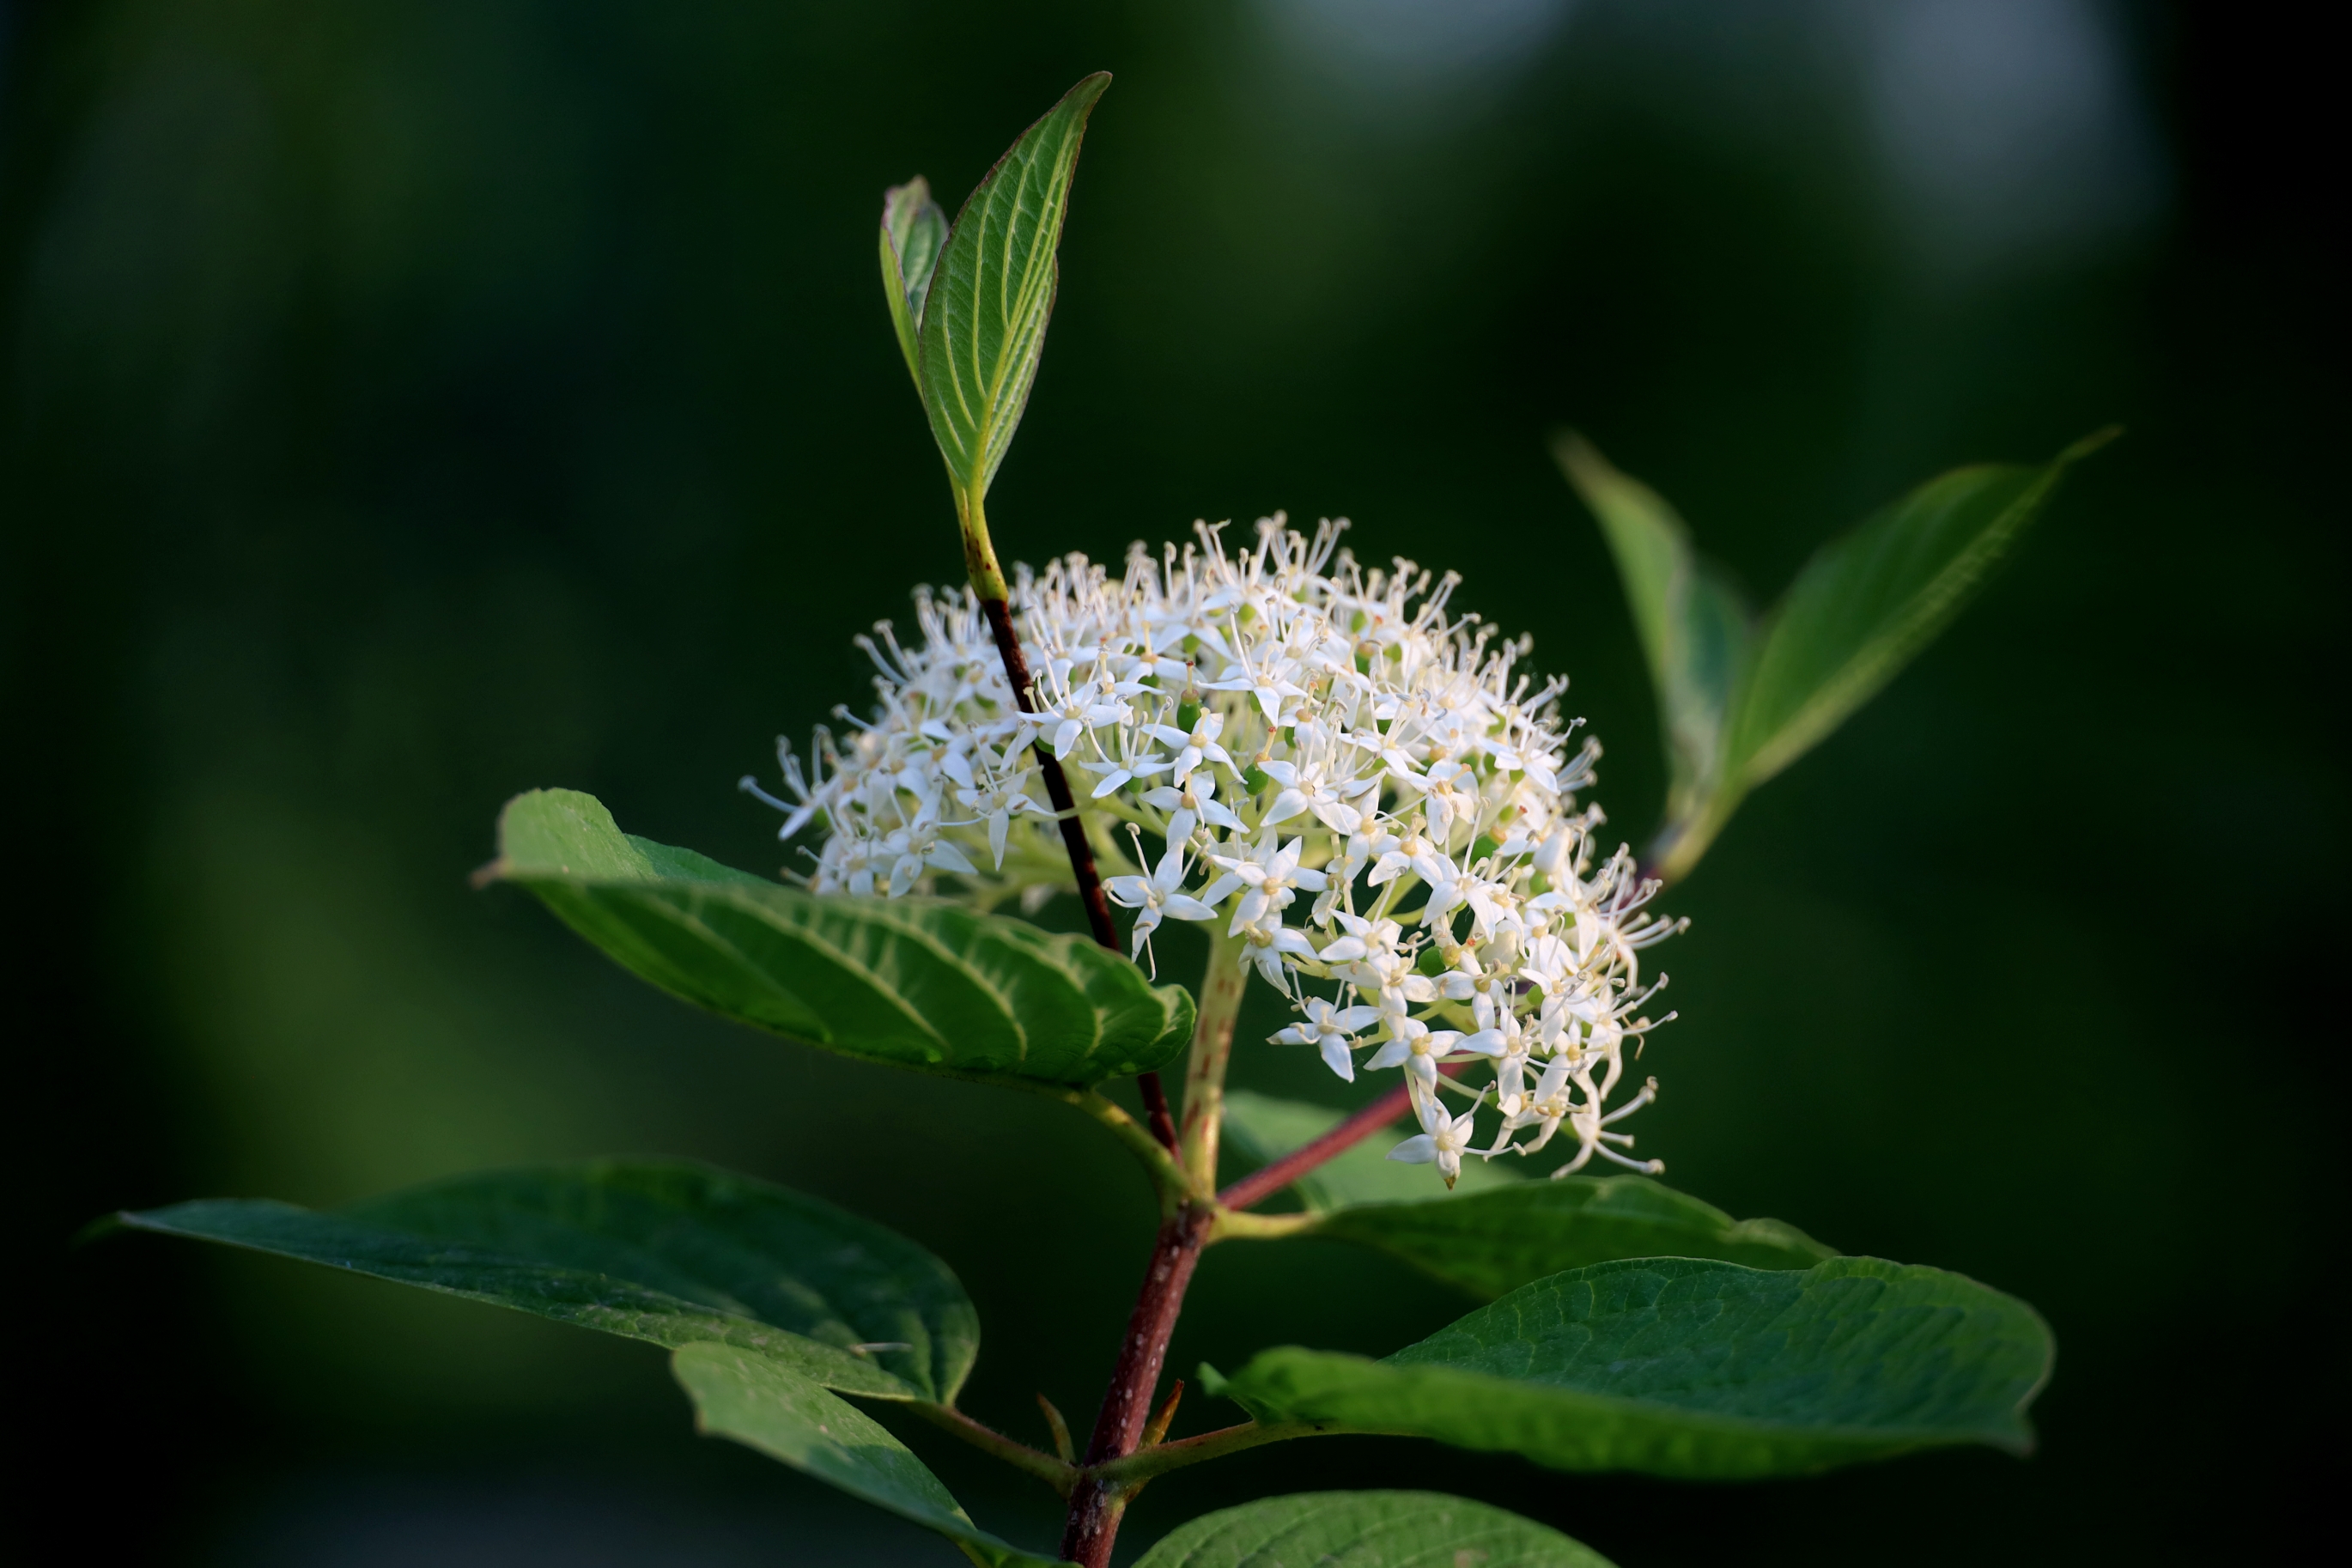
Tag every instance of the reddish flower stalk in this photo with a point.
(1267, 1181)
(1263, 1183)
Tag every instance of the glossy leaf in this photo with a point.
(914, 231)
(1695, 633)
(917, 983)
(790, 1418)
(1261, 1129)
(669, 1251)
(1496, 1241)
(1868, 602)
(983, 329)
(1368, 1530)
(1683, 1367)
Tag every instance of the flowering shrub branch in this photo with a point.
(1375, 807)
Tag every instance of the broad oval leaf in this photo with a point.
(983, 327)
(1492, 1242)
(1263, 1129)
(1702, 1369)
(790, 1418)
(1368, 1530)
(1868, 602)
(914, 230)
(917, 983)
(1695, 633)
(666, 1250)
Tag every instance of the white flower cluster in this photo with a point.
(1378, 808)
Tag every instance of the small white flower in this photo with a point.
(1158, 895)
(1272, 876)
(1196, 746)
(999, 800)
(1415, 1046)
(1264, 944)
(1444, 1139)
(1330, 1030)
(1189, 803)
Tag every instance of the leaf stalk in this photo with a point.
(1059, 1474)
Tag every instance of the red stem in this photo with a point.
(1095, 1505)
(1074, 839)
(1267, 1180)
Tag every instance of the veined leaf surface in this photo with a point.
(1492, 1242)
(1867, 603)
(665, 1250)
(983, 327)
(791, 1418)
(1702, 1369)
(914, 230)
(917, 983)
(1695, 633)
(1367, 1530)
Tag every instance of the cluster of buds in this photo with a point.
(1372, 801)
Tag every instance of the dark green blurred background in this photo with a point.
(407, 405)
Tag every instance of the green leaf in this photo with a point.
(666, 1250)
(1868, 602)
(1262, 1129)
(1368, 1530)
(984, 328)
(788, 1417)
(1496, 1241)
(1694, 631)
(1680, 1367)
(914, 230)
(913, 981)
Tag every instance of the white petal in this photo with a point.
(1485, 1042)
(1128, 892)
(1336, 1058)
(1418, 1149)
(1338, 817)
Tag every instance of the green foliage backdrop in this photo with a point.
(407, 406)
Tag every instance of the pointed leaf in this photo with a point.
(1694, 631)
(665, 1250)
(913, 981)
(1497, 1241)
(1679, 1367)
(1368, 1530)
(914, 230)
(1262, 1129)
(790, 1418)
(984, 326)
(1868, 602)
